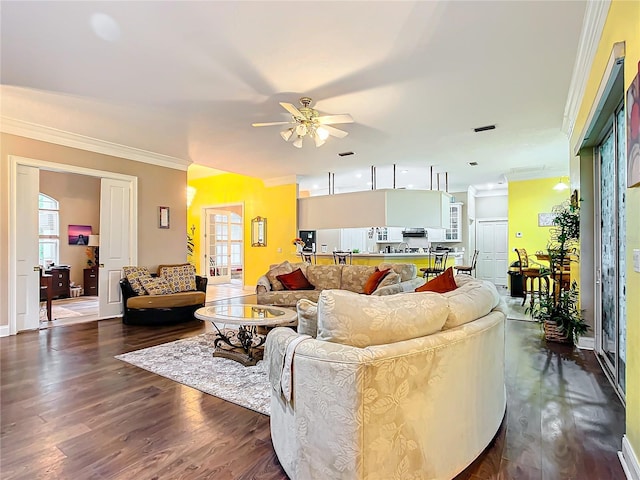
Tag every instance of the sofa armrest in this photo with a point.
(127, 291)
(201, 283)
(388, 290)
(307, 317)
(263, 285)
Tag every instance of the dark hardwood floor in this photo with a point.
(70, 410)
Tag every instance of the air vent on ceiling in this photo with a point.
(473, 164)
(344, 154)
(482, 129)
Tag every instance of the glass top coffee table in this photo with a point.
(243, 346)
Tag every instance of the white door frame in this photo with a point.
(14, 161)
(203, 229)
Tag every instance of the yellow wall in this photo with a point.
(623, 25)
(526, 199)
(277, 204)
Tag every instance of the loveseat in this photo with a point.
(401, 278)
(149, 301)
(400, 386)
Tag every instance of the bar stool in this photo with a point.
(529, 277)
(309, 257)
(437, 264)
(468, 269)
(340, 258)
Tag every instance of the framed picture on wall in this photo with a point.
(79, 234)
(633, 132)
(546, 219)
(163, 217)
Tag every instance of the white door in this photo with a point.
(115, 212)
(492, 242)
(27, 279)
(217, 245)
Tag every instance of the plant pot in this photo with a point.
(553, 333)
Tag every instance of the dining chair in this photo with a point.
(531, 275)
(340, 258)
(437, 263)
(468, 269)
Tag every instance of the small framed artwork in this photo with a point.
(79, 234)
(546, 219)
(163, 217)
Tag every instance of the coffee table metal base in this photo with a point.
(243, 346)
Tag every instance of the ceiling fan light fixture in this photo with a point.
(286, 134)
(322, 133)
(560, 186)
(318, 139)
(301, 130)
(298, 142)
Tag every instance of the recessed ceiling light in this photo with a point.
(105, 27)
(315, 187)
(484, 129)
(473, 164)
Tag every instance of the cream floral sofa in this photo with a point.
(324, 277)
(401, 386)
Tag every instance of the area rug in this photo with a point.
(57, 312)
(190, 362)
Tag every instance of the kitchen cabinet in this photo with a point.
(454, 232)
(389, 234)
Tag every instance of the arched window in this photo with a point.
(49, 230)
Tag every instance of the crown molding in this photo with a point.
(595, 17)
(43, 133)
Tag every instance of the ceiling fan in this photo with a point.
(306, 121)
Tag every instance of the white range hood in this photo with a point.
(379, 208)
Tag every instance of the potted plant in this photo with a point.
(557, 310)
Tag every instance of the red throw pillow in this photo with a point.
(295, 281)
(373, 281)
(443, 283)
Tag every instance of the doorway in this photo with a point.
(223, 244)
(118, 218)
(492, 243)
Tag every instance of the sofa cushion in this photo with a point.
(374, 280)
(133, 274)
(324, 277)
(181, 278)
(472, 300)
(391, 278)
(274, 271)
(287, 298)
(307, 317)
(443, 283)
(156, 286)
(295, 281)
(361, 321)
(182, 299)
(407, 271)
(354, 277)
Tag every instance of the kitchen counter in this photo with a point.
(365, 258)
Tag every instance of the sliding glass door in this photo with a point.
(611, 248)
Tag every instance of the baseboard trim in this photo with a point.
(4, 330)
(586, 343)
(629, 460)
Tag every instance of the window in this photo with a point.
(48, 230)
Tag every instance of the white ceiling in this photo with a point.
(187, 79)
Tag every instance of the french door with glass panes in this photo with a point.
(223, 245)
(611, 334)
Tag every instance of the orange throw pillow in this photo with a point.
(443, 283)
(373, 281)
(295, 281)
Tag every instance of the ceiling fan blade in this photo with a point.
(292, 109)
(341, 118)
(336, 132)
(268, 124)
